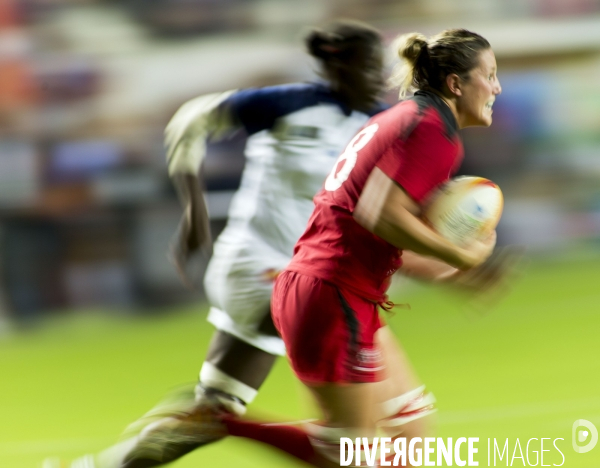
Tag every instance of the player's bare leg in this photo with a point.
(406, 409)
(229, 380)
(347, 411)
(398, 405)
(240, 367)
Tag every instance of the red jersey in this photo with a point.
(415, 143)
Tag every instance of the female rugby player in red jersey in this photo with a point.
(325, 304)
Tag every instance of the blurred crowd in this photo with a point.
(86, 88)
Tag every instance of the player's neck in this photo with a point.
(451, 103)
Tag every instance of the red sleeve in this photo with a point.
(422, 161)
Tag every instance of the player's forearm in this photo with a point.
(425, 268)
(190, 193)
(402, 229)
(387, 211)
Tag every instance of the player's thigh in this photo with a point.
(399, 374)
(404, 407)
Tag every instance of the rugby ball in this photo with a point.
(465, 209)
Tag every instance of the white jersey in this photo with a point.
(296, 132)
(292, 146)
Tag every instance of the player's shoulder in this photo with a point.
(291, 97)
(296, 96)
(423, 113)
(281, 100)
(259, 108)
(287, 97)
(283, 89)
(404, 107)
(399, 119)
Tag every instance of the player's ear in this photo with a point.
(454, 83)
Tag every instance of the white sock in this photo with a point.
(212, 377)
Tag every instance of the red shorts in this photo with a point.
(329, 333)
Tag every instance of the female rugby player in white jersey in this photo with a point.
(295, 133)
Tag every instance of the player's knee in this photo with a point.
(410, 413)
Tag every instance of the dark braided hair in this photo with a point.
(350, 53)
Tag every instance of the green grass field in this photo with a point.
(528, 369)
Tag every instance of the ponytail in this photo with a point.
(412, 49)
(426, 63)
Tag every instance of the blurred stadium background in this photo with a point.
(94, 324)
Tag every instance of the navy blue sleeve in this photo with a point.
(258, 109)
(379, 107)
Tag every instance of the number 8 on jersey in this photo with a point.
(346, 161)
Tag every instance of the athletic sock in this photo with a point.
(287, 438)
(213, 377)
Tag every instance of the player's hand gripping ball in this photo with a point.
(465, 209)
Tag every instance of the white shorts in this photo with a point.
(239, 283)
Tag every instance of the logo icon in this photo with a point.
(589, 435)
